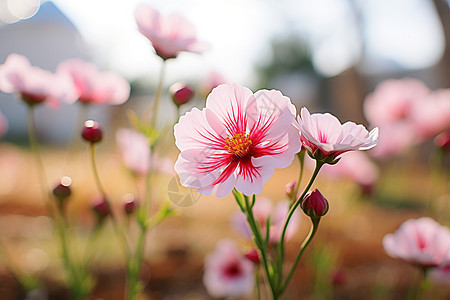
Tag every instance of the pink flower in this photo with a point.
(3, 124)
(395, 139)
(393, 99)
(34, 85)
(93, 86)
(169, 34)
(423, 242)
(237, 141)
(262, 211)
(212, 80)
(135, 151)
(355, 166)
(432, 116)
(324, 133)
(227, 272)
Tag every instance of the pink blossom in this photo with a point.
(169, 34)
(34, 85)
(262, 211)
(324, 132)
(237, 141)
(3, 124)
(135, 151)
(93, 86)
(422, 241)
(395, 139)
(227, 272)
(212, 80)
(393, 99)
(432, 116)
(355, 166)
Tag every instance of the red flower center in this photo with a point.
(233, 270)
(239, 145)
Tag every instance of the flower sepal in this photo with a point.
(328, 159)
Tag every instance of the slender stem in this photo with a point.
(301, 159)
(105, 198)
(53, 212)
(81, 117)
(257, 288)
(34, 144)
(259, 243)
(291, 212)
(158, 95)
(315, 225)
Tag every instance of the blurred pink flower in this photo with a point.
(237, 141)
(393, 99)
(355, 166)
(432, 116)
(324, 132)
(262, 211)
(34, 85)
(169, 34)
(228, 273)
(395, 139)
(212, 80)
(3, 124)
(135, 151)
(422, 242)
(93, 86)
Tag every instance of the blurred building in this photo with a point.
(47, 38)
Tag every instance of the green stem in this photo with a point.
(315, 225)
(116, 226)
(74, 143)
(158, 95)
(53, 212)
(291, 212)
(301, 159)
(260, 244)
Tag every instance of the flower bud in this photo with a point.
(252, 256)
(91, 132)
(62, 191)
(314, 204)
(101, 209)
(130, 204)
(442, 141)
(181, 93)
(290, 188)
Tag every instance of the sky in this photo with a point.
(403, 33)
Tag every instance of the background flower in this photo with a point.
(227, 272)
(422, 241)
(324, 132)
(237, 141)
(135, 151)
(34, 85)
(169, 34)
(93, 86)
(3, 124)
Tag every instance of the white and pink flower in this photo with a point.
(264, 211)
(393, 99)
(93, 86)
(135, 150)
(169, 34)
(237, 141)
(324, 133)
(34, 85)
(432, 116)
(228, 273)
(422, 242)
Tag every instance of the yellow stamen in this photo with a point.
(239, 144)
